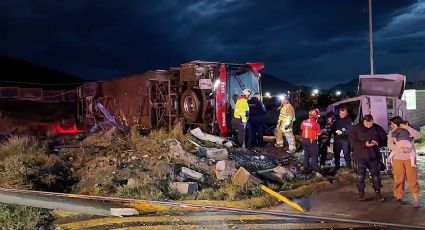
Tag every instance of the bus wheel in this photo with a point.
(190, 105)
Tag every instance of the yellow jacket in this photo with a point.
(241, 108)
(287, 113)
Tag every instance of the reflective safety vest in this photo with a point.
(241, 108)
(286, 113)
(310, 129)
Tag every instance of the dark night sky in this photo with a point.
(314, 42)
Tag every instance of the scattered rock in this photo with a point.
(179, 154)
(191, 174)
(284, 172)
(274, 177)
(225, 169)
(208, 137)
(214, 153)
(184, 187)
(243, 177)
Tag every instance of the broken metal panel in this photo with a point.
(159, 94)
(390, 85)
(128, 99)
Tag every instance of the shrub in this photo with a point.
(22, 217)
(145, 189)
(18, 145)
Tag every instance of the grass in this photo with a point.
(22, 217)
(145, 189)
(18, 146)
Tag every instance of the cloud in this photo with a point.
(302, 41)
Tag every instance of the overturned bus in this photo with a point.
(379, 95)
(198, 93)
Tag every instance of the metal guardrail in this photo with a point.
(135, 202)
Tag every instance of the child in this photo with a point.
(404, 142)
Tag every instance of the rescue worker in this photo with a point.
(366, 139)
(284, 125)
(240, 116)
(341, 141)
(257, 114)
(310, 131)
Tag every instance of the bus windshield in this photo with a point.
(239, 78)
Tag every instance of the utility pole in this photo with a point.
(371, 39)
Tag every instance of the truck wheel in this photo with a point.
(190, 105)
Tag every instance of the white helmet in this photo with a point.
(246, 92)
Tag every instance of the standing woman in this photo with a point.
(404, 167)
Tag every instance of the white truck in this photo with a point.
(379, 95)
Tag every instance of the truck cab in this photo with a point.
(379, 95)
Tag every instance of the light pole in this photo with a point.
(371, 39)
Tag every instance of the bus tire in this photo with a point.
(191, 105)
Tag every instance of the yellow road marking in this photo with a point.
(246, 226)
(63, 214)
(118, 220)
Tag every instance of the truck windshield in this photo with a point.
(240, 78)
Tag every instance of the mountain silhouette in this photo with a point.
(24, 74)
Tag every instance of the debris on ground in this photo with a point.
(208, 137)
(225, 169)
(120, 212)
(159, 165)
(243, 177)
(278, 174)
(214, 153)
(251, 161)
(185, 187)
(191, 174)
(177, 152)
(104, 138)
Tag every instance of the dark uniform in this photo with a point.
(257, 115)
(367, 157)
(341, 142)
(326, 124)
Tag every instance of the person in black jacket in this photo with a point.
(341, 142)
(257, 114)
(326, 123)
(366, 139)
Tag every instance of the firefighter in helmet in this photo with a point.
(310, 130)
(285, 123)
(240, 116)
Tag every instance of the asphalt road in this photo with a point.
(203, 220)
